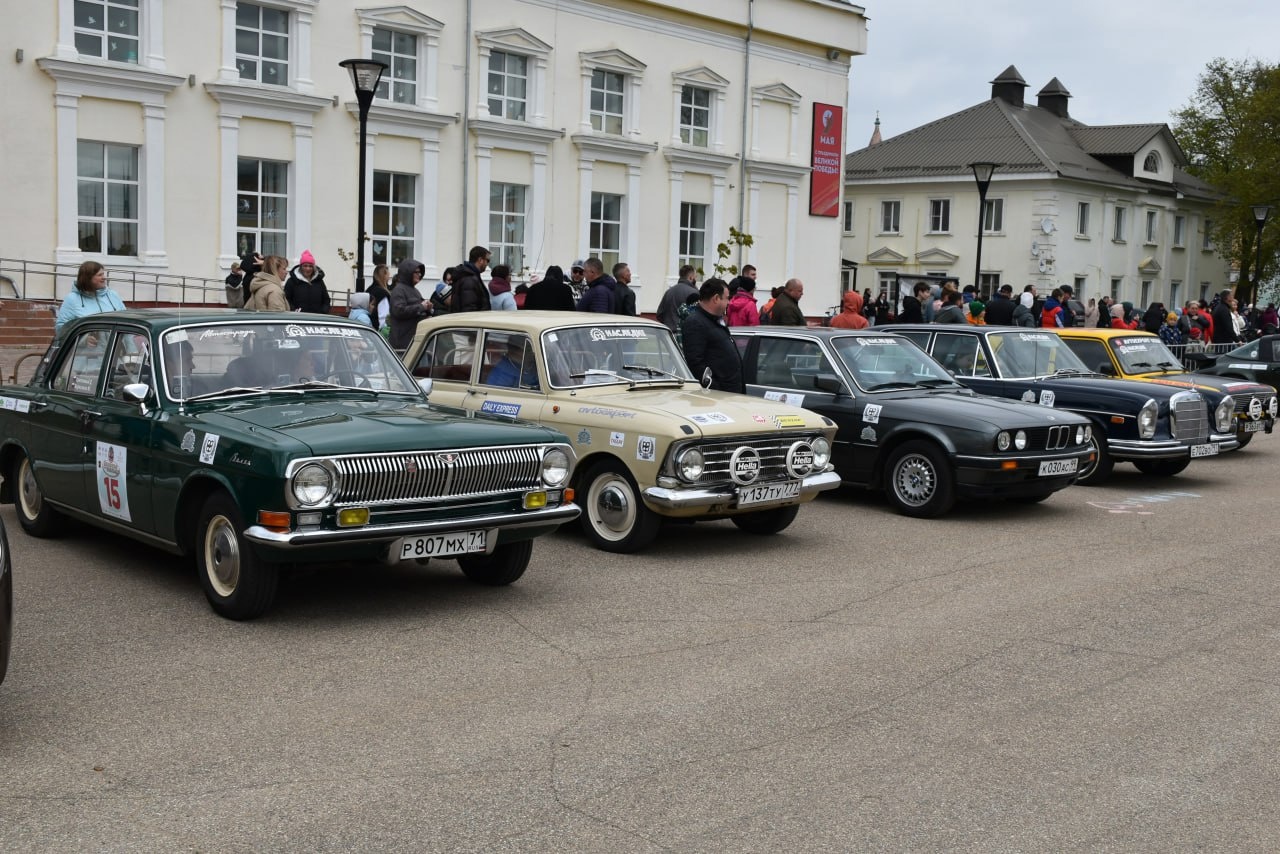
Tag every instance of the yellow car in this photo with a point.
(1134, 355)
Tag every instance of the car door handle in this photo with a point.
(88, 415)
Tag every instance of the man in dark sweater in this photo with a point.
(599, 296)
(706, 340)
(469, 292)
(1000, 309)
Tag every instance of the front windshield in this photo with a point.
(887, 362)
(1141, 354)
(222, 359)
(612, 353)
(1033, 354)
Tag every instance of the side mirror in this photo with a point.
(829, 382)
(137, 393)
(1106, 368)
(426, 384)
(706, 378)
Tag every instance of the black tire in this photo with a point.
(1244, 439)
(35, 515)
(1093, 475)
(1162, 468)
(613, 515)
(918, 480)
(237, 584)
(504, 566)
(764, 523)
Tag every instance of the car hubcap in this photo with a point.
(915, 480)
(222, 556)
(29, 491)
(613, 510)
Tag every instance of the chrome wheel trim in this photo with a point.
(29, 496)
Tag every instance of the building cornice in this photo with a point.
(497, 132)
(602, 147)
(387, 118)
(766, 168)
(271, 102)
(115, 80)
(698, 159)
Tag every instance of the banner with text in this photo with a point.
(827, 162)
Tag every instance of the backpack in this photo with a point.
(766, 313)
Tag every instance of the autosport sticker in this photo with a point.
(868, 434)
(1028, 396)
(113, 488)
(606, 412)
(1047, 398)
(710, 418)
(23, 406)
(208, 448)
(497, 407)
(304, 330)
(189, 442)
(609, 333)
(617, 440)
(788, 420)
(867, 342)
(647, 449)
(8, 403)
(785, 397)
(871, 413)
(1033, 336)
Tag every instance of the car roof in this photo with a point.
(813, 331)
(531, 321)
(1095, 332)
(166, 318)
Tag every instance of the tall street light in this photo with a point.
(1260, 214)
(365, 74)
(982, 171)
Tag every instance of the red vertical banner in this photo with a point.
(827, 160)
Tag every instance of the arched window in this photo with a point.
(1152, 163)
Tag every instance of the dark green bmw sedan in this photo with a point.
(253, 441)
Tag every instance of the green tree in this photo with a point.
(1230, 130)
(725, 249)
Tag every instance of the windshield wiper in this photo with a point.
(895, 384)
(597, 372)
(656, 372)
(227, 392)
(321, 385)
(935, 382)
(1072, 372)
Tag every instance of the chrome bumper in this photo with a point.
(664, 498)
(1167, 449)
(387, 533)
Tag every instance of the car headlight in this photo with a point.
(1224, 414)
(1081, 438)
(800, 459)
(1020, 440)
(690, 464)
(555, 467)
(312, 485)
(1273, 407)
(821, 452)
(1003, 441)
(1147, 419)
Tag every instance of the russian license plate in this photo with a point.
(768, 492)
(1209, 449)
(1049, 467)
(1255, 426)
(444, 545)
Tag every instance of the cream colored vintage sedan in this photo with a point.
(652, 442)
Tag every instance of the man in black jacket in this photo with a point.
(624, 299)
(469, 292)
(1224, 331)
(706, 340)
(913, 306)
(1000, 309)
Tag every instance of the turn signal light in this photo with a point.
(1009, 465)
(353, 517)
(275, 520)
(1117, 419)
(568, 495)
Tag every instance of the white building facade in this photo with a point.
(176, 137)
(1105, 209)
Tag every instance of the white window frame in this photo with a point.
(258, 193)
(606, 86)
(105, 220)
(537, 54)
(1179, 231)
(1175, 285)
(103, 36)
(689, 129)
(392, 206)
(700, 78)
(939, 216)
(989, 282)
(897, 215)
(259, 59)
(1118, 224)
(299, 61)
(1117, 287)
(691, 233)
(993, 216)
(514, 252)
(885, 282)
(598, 225)
(1080, 284)
(507, 102)
(631, 71)
(846, 216)
(1152, 228)
(396, 59)
(1151, 163)
(428, 30)
(1083, 211)
(150, 36)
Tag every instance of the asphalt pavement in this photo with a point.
(1097, 672)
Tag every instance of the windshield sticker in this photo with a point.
(498, 408)
(1034, 336)
(616, 439)
(23, 406)
(1135, 347)
(788, 420)
(609, 333)
(303, 330)
(710, 418)
(234, 334)
(189, 442)
(1028, 396)
(1046, 398)
(584, 436)
(868, 434)
(785, 397)
(606, 412)
(208, 448)
(647, 449)
(868, 342)
(871, 413)
(113, 488)
(175, 336)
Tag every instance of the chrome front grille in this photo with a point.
(433, 475)
(1188, 416)
(771, 448)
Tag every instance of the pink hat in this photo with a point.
(306, 257)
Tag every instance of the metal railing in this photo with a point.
(47, 281)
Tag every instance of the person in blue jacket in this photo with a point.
(90, 296)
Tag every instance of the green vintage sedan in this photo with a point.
(256, 440)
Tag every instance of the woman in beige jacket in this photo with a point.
(267, 288)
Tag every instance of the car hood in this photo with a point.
(1207, 382)
(705, 412)
(1085, 387)
(371, 426)
(957, 408)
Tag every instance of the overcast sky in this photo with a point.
(1124, 61)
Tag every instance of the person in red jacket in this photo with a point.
(850, 316)
(742, 309)
(1117, 318)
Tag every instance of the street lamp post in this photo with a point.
(365, 74)
(982, 172)
(1260, 214)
